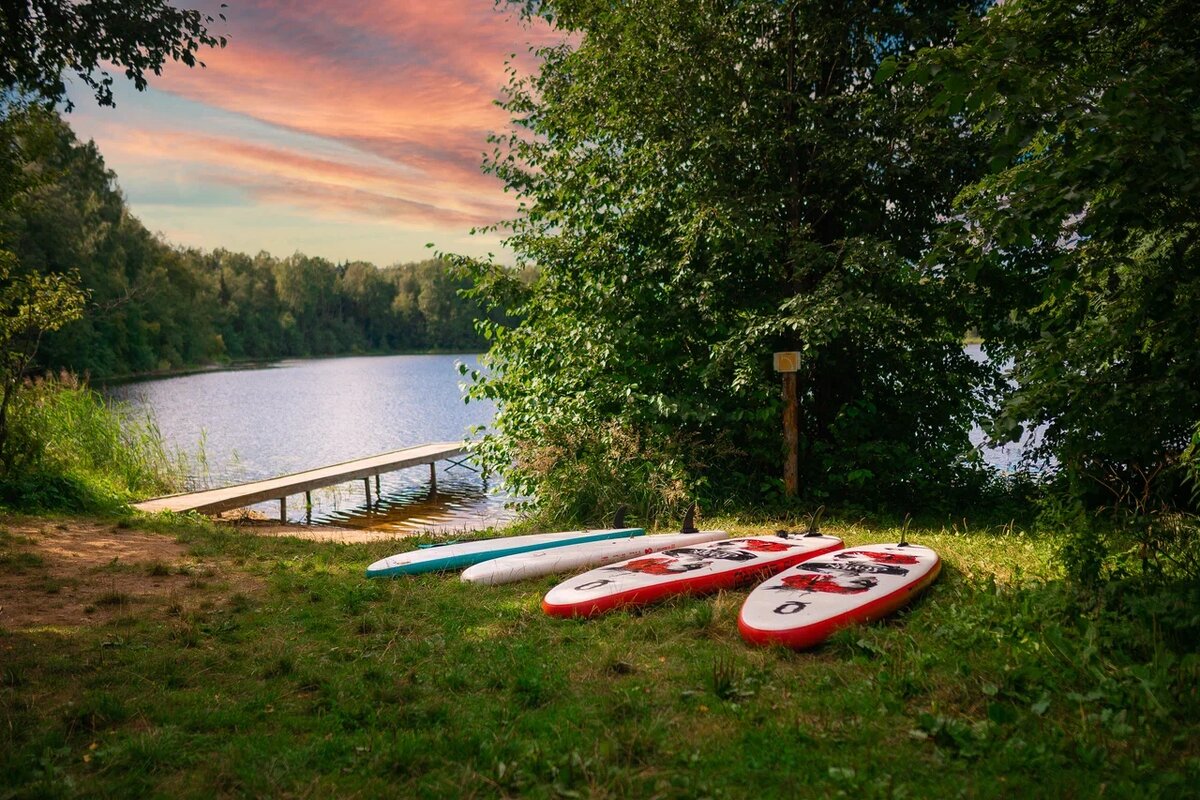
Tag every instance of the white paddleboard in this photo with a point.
(579, 556)
(696, 569)
(802, 606)
(457, 556)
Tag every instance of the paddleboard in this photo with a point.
(457, 556)
(696, 569)
(579, 556)
(800, 607)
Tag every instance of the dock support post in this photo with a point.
(283, 509)
(367, 489)
(377, 491)
(433, 478)
(308, 507)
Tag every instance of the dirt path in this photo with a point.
(68, 573)
(65, 573)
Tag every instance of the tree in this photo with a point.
(30, 305)
(703, 183)
(42, 40)
(1083, 240)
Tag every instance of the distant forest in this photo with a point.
(154, 306)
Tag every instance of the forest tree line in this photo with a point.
(154, 306)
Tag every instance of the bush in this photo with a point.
(71, 450)
(580, 474)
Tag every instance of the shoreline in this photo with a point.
(250, 364)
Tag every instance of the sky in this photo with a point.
(352, 130)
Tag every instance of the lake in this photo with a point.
(247, 424)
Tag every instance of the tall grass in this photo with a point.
(73, 450)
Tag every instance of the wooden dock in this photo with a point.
(213, 501)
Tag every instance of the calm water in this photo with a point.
(257, 423)
(1009, 456)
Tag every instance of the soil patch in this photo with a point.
(66, 573)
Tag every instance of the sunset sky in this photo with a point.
(349, 130)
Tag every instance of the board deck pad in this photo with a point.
(695, 569)
(460, 555)
(802, 606)
(535, 563)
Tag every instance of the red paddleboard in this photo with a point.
(802, 606)
(696, 569)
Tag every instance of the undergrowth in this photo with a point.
(1003, 680)
(69, 449)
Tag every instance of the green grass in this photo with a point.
(997, 683)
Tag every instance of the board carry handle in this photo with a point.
(689, 520)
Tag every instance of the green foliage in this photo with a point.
(41, 41)
(71, 450)
(585, 471)
(30, 306)
(1082, 241)
(703, 184)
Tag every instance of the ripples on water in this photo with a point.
(248, 424)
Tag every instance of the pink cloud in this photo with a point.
(393, 100)
(285, 176)
(412, 82)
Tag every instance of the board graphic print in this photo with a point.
(696, 569)
(579, 556)
(802, 606)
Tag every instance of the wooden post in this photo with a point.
(788, 363)
(377, 492)
(367, 489)
(433, 478)
(791, 435)
(283, 509)
(308, 507)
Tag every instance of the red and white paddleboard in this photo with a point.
(694, 569)
(802, 606)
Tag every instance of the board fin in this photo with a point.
(904, 531)
(619, 516)
(689, 521)
(814, 522)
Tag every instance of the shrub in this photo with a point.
(75, 451)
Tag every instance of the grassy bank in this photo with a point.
(263, 666)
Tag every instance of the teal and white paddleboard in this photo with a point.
(458, 556)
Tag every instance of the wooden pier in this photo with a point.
(213, 501)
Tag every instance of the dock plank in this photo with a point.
(246, 494)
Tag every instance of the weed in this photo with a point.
(113, 598)
(239, 603)
(78, 452)
(19, 562)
